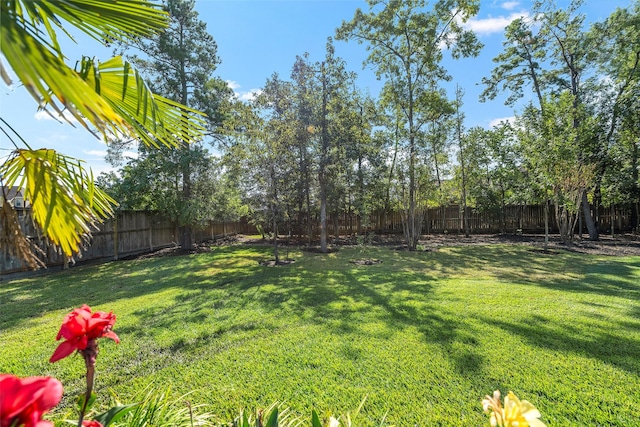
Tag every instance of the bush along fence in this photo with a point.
(131, 233)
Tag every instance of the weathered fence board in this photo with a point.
(128, 233)
(135, 232)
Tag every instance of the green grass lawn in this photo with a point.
(423, 336)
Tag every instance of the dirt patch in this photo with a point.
(273, 263)
(622, 245)
(318, 250)
(172, 251)
(545, 251)
(366, 261)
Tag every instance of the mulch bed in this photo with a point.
(318, 250)
(366, 261)
(273, 263)
(621, 245)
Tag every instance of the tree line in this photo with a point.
(315, 145)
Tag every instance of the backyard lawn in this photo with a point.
(423, 336)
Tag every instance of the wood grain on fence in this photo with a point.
(135, 232)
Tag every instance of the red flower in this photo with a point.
(23, 401)
(92, 423)
(81, 328)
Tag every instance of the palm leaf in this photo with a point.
(152, 118)
(13, 241)
(100, 19)
(111, 96)
(64, 201)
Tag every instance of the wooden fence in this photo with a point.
(128, 233)
(523, 219)
(135, 232)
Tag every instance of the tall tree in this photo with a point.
(519, 65)
(333, 82)
(571, 55)
(180, 63)
(302, 76)
(405, 41)
(271, 158)
(617, 55)
(462, 157)
(552, 53)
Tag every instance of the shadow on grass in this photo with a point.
(102, 284)
(617, 350)
(512, 263)
(335, 294)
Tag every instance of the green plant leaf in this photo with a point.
(315, 419)
(273, 418)
(64, 201)
(80, 401)
(114, 414)
(242, 420)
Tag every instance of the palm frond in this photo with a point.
(152, 118)
(112, 97)
(13, 241)
(64, 200)
(100, 19)
(51, 82)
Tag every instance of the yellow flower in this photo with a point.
(515, 413)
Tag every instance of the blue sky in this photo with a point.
(259, 37)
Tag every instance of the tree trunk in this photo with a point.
(588, 218)
(546, 224)
(635, 214)
(275, 238)
(186, 235)
(323, 164)
(323, 218)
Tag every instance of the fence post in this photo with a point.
(150, 232)
(115, 237)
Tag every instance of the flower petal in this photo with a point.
(64, 349)
(112, 335)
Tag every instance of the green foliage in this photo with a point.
(180, 63)
(406, 41)
(62, 194)
(156, 407)
(425, 335)
(114, 414)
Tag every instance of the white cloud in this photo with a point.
(492, 25)
(249, 95)
(495, 122)
(53, 139)
(44, 115)
(510, 5)
(102, 154)
(98, 168)
(233, 84)
(243, 95)
(96, 153)
(130, 154)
